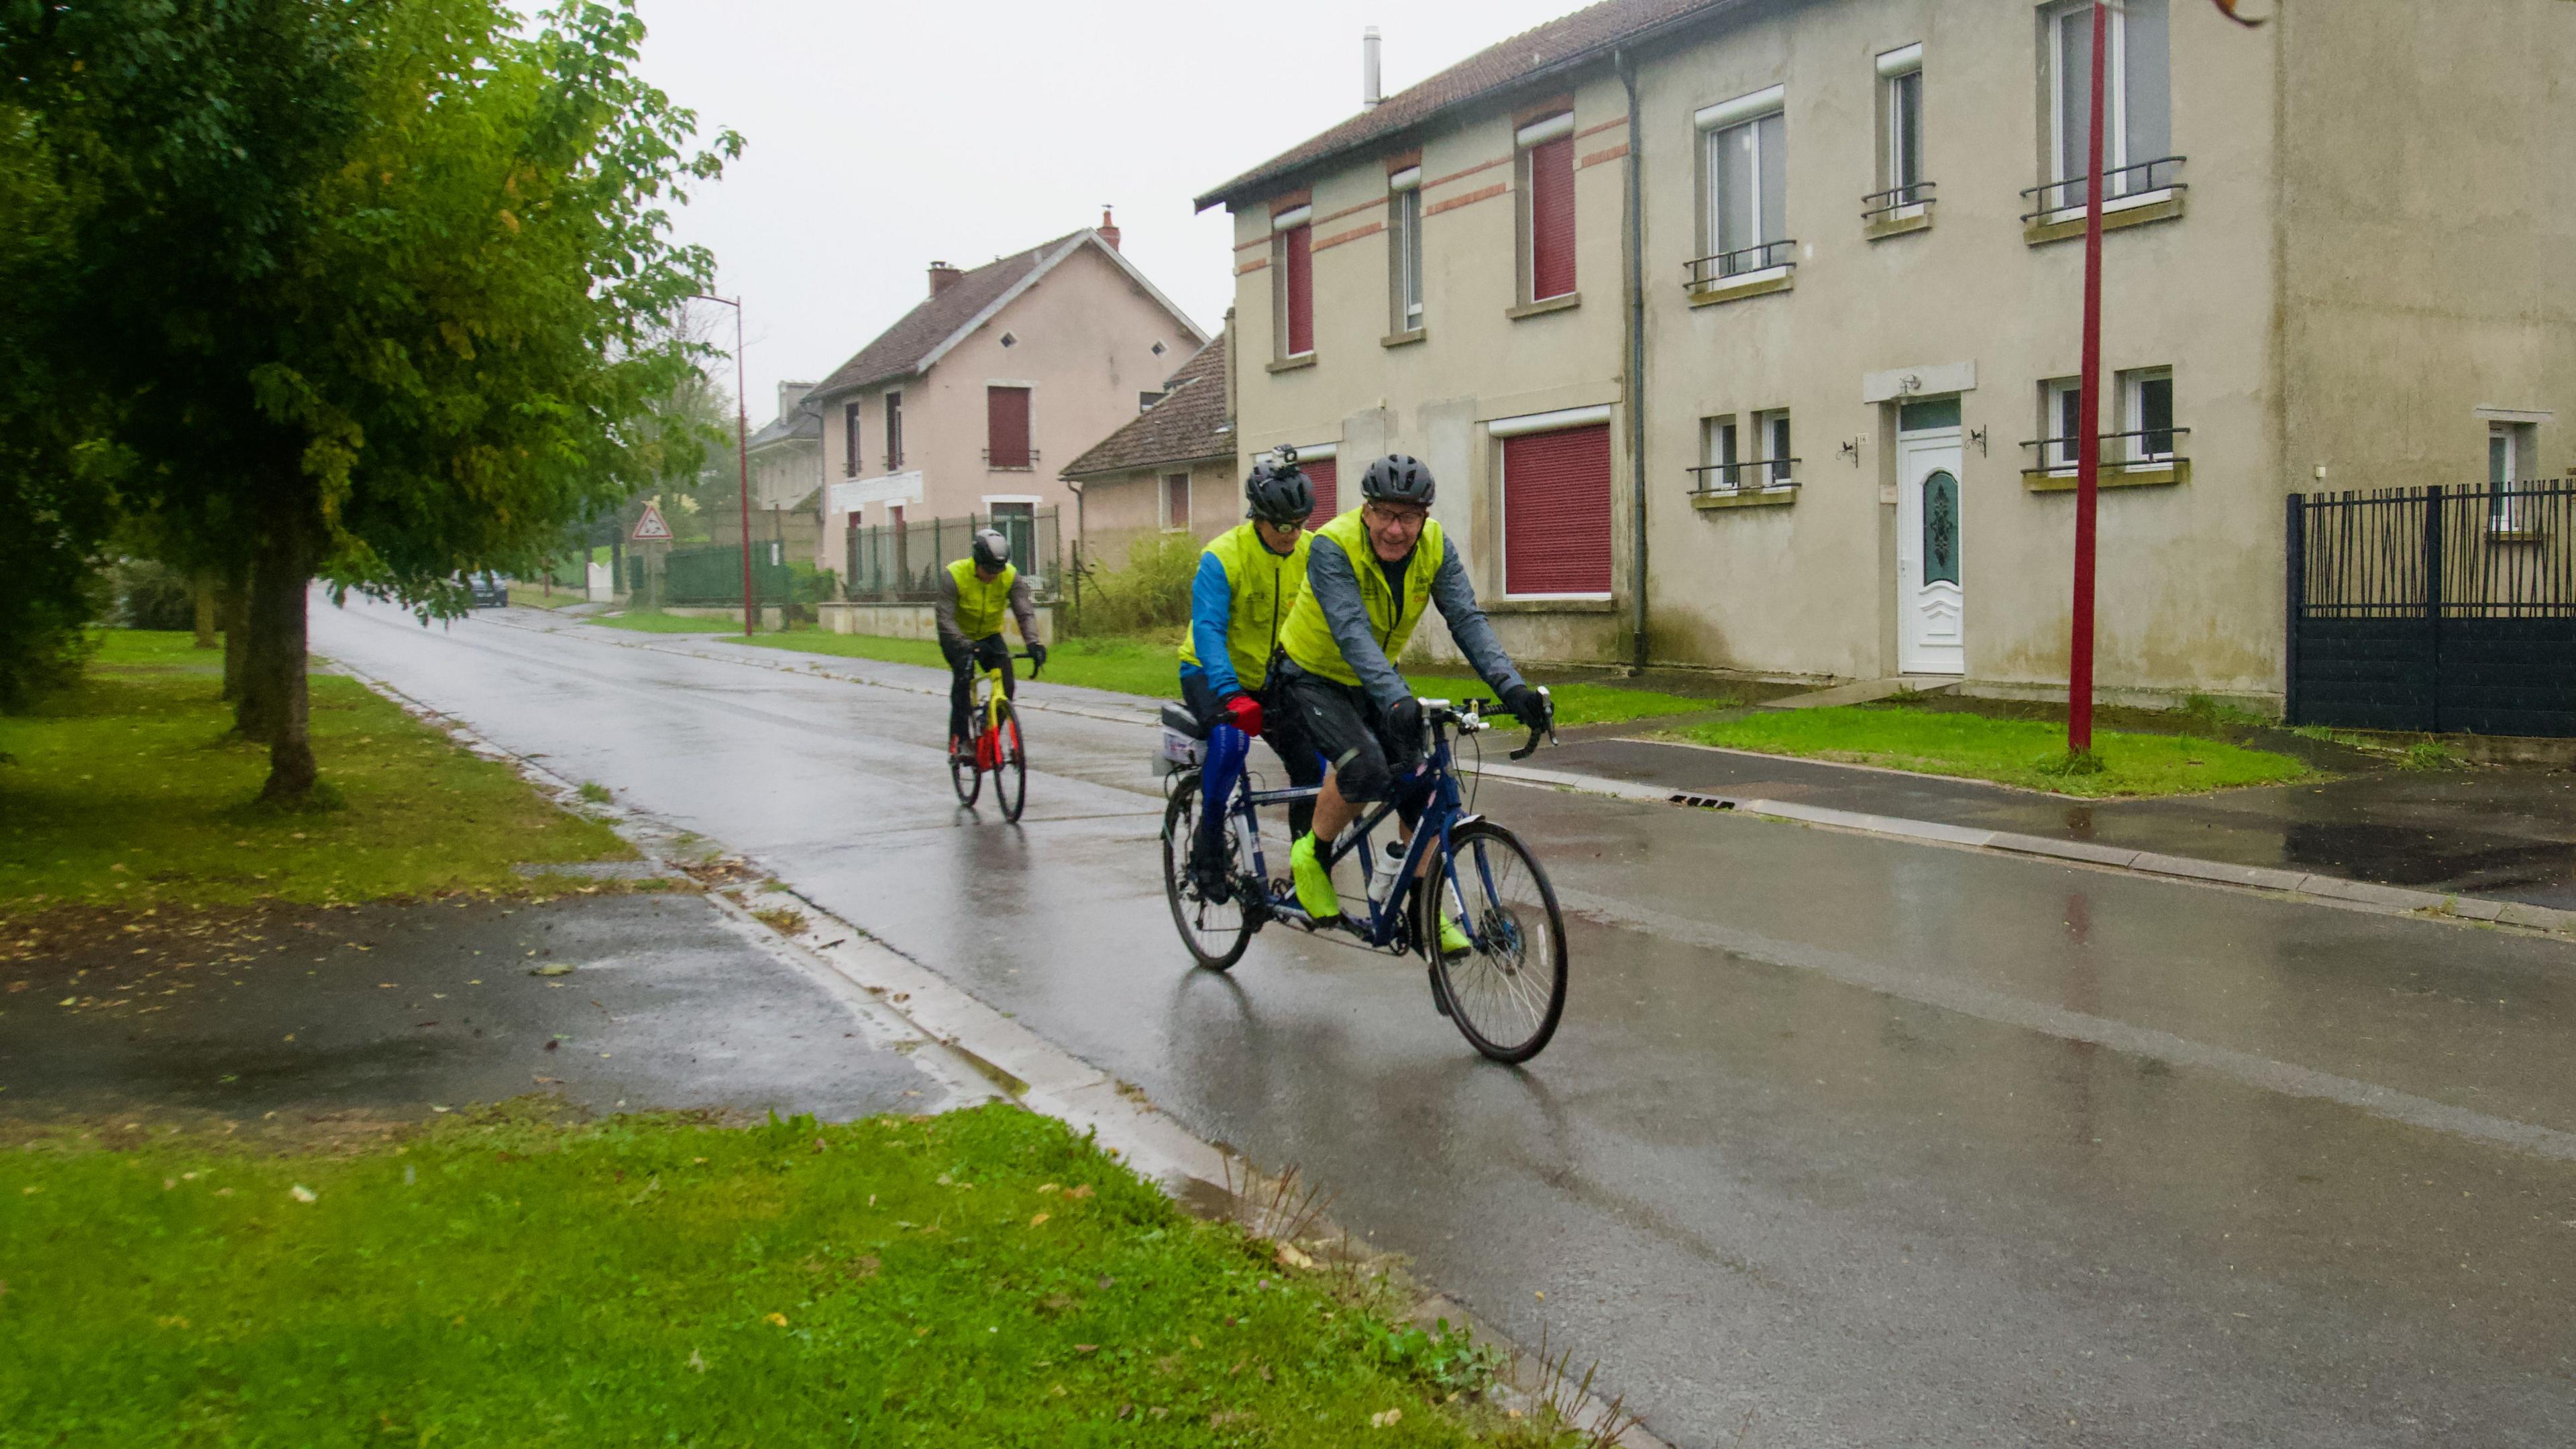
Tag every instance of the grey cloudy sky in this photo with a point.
(882, 136)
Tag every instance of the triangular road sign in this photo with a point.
(650, 528)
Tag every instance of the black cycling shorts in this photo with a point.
(1348, 729)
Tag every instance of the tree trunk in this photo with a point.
(279, 581)
(232, 603)
(204, 590)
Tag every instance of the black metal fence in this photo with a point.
(2447, 609)
(900, 562)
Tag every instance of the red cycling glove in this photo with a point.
(1244, 713)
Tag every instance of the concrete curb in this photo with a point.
(2337, 890)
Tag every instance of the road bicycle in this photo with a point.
(993, 743)
(1505, 993)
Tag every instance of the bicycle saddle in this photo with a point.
(1178, 717)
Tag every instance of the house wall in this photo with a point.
(2429, 248)
(1474, 362)
(1120, 508)
(2189, 581)
(1085, 337)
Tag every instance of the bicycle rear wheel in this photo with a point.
(1214, 922)
(1508, 993)
(1010, 763)
(963, 772)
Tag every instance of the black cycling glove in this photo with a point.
(1405, 719)
(1531, 707)
(1037, 655)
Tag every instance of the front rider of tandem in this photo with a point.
(973, 593)
(1369, 575)
(1248, 578)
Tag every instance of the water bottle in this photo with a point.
(1382, 875)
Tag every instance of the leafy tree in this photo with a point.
(422, 314)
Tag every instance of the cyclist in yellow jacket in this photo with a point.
(1370, 575)
(1248, 578)
(973, 593)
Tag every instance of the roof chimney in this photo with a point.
(942, 277)
(1108, 229)
(790, 394)
(1369, 96)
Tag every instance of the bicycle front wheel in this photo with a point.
(1211, 915)
(1507, 992)
(963, 771)
(1010, 764)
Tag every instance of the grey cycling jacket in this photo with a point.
(1336, 588)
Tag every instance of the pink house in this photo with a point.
(973, 401)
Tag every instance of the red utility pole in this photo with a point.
(2088, 413)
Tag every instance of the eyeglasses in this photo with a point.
(1398, 517)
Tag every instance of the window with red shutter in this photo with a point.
(1176, 500)
(1320, 473)
(1556, 512)
(1551, 218)
(1006, 427)
(1298, 244)
(850, 440)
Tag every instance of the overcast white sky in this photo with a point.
(882, 136)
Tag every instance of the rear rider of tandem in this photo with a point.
(1248, 578)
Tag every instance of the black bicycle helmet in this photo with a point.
(1279, 495)
(1396, 478)
(991, 549)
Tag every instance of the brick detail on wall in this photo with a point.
(1464, 199)
(1354, 234)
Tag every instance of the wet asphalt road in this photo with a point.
(1845, 1141)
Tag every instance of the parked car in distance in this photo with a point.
(489, 591)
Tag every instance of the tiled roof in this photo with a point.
(797, 422)
(1581, 36)
(1188, 425)
(900, 350)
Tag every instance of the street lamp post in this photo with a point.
(742, 448)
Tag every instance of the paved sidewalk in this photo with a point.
(2493, 833)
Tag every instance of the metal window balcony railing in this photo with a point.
(1751, 476)
(1026, 461)
(1895, 199)
(2155, 449)
(1715, 271)
(2054, 199)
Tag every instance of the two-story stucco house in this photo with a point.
(971, 402)
(1744, 333)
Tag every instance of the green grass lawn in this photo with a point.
(2011, 752)
(1151, 667)
(981, 1278)
(126, 791)
(647, 622)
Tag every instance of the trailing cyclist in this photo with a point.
(974, 592)
(1369, 576)
(1248, 578)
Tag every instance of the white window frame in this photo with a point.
(2064, 88)
(2060, 408)
(2521, 457)
(2133, 411)
(1404, 248)
(1767, 425)
(1895, 68)
(1721, 448)
(1722, 120)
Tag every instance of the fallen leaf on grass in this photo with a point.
(1078, 1192)
(778, 1318)
(1040, 1218)
(1289, 1257)
(1387, 1420)
(301, 1193)
(695, 1362)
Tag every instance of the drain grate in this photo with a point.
(1702, 802)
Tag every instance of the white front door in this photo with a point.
(1930, 625)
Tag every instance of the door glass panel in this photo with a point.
(2155, 417)
(1939, 412)
(1941, 529)
(1905, 139)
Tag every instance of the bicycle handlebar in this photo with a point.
(1034, 665)
(1472, 716)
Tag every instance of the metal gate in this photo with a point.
(2443, 609)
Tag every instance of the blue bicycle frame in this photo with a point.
(1433, 782)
